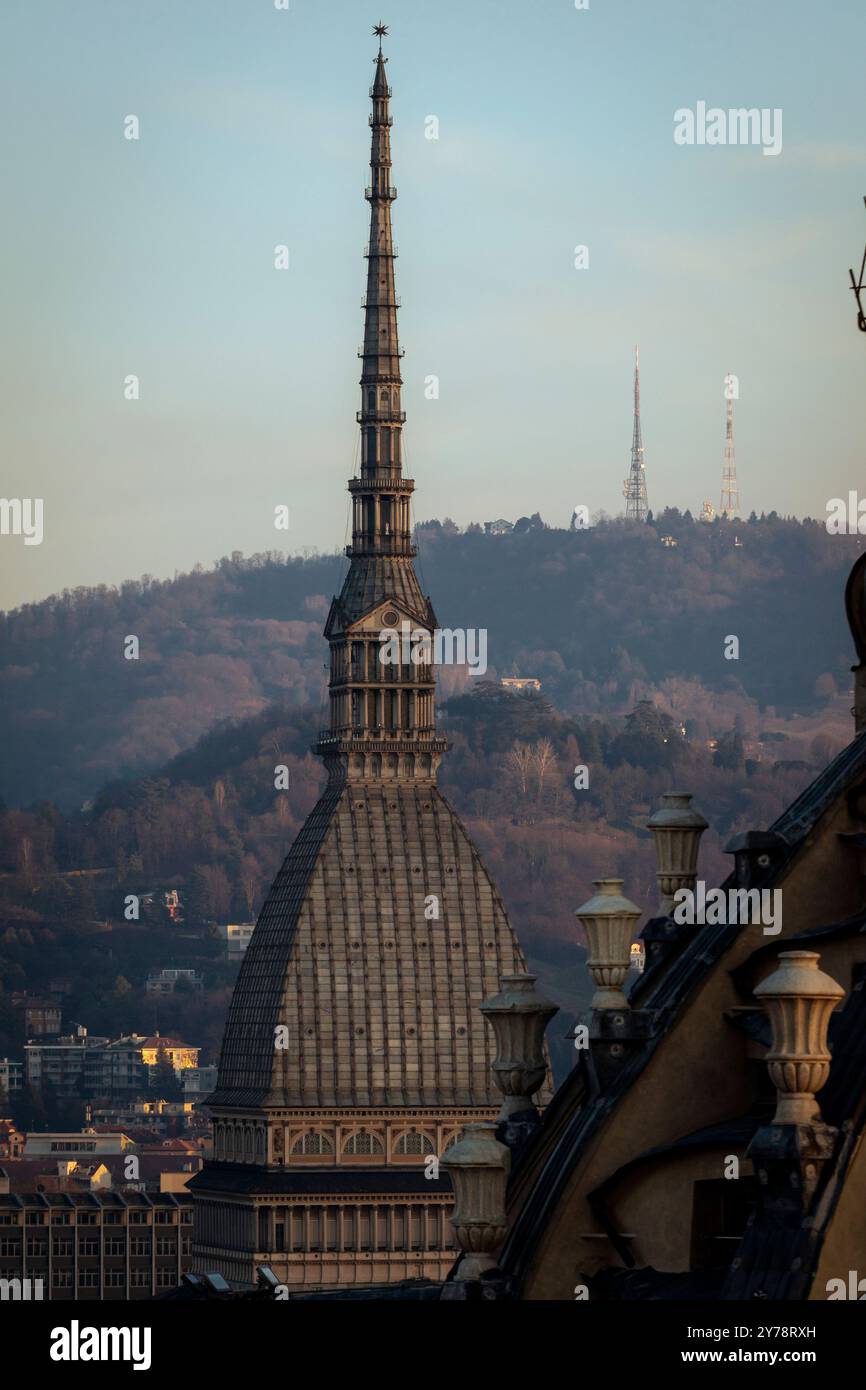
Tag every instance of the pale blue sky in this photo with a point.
(556, 128)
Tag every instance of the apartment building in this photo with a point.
(93, 1246)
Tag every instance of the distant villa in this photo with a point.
(520, 682)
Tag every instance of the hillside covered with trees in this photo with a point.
(211, 823)
(603, 617)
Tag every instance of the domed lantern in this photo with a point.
(677, 829)
(609, 921)
(800, 999)
(478, 1165)
(518, 1016)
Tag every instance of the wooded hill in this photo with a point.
(603, 617)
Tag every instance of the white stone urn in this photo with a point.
(479, 1167)
(609, 921)
(799, 999)
(518, 1016)
(677, 829)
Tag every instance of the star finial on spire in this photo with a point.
(380, 30)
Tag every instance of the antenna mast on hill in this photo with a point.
(730, 503)
(634, 487)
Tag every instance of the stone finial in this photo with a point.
(799, 999)
(609, 920)
(677, 829)
(479, 1167)
(518, 1016)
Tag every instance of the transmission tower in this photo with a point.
(730, 503)
(634, 487)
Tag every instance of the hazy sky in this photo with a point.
(155, 258)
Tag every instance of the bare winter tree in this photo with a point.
(250, 880)
(544, 759)
(519, 760)
(25, 857)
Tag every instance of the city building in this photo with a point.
(198, 1082)
(42, 1017)
(64, 1062)
(117, 1068)
(237, 936)
(11, 1140)
(85, 1141)
(11, 1076)
(92, 1160)
(154, 1115)
(95, 1246)
(180, 1054)
(354, 1051)
(82, 1066)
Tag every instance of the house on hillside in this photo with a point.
(520, 682)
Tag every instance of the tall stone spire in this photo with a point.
(355, 1047)
(383, 530)
(381, 712)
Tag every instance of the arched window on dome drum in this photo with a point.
(414, 1142)
(260, 1146)
(248, 1147)
(363, 1142)
(312, 1143)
